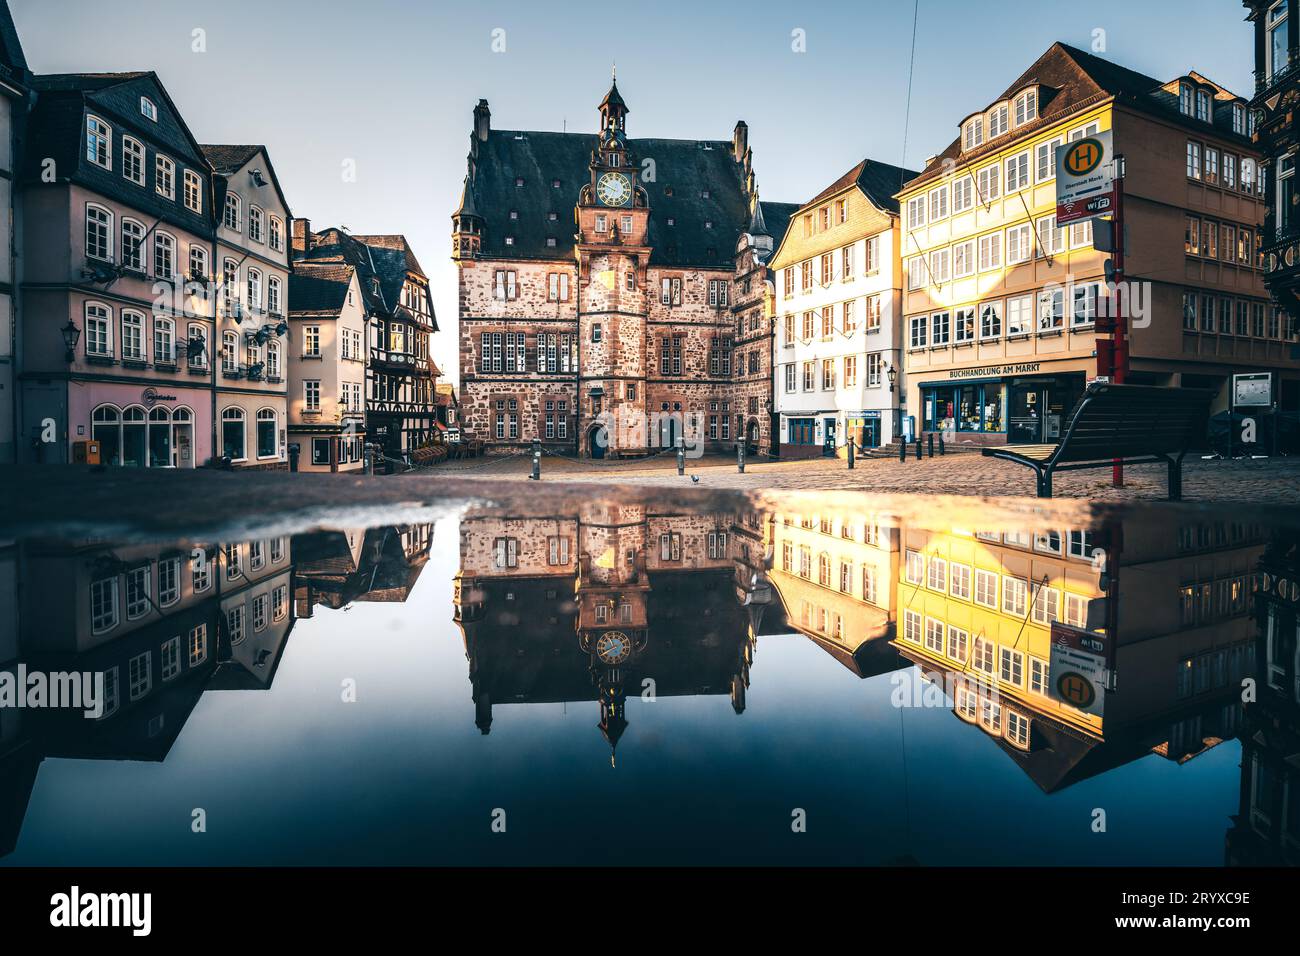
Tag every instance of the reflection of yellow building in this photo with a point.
(834, 573)
(976, 609)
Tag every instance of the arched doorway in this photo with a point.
(751, 437)
(597, 441)
(669, 429)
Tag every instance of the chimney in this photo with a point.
(482, 120)
(301, 243)
(740, 140)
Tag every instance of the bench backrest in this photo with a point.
(1120, 421)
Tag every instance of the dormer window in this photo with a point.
(552, 216)
(148, 109)
(514, 213)
(998, 121)
(519, 181)
(1185, 99)
(99, 142)
(972, 134)
(1203, 112)
(704, 194)
(1239, 119)
(555, 184)
(1026, 107)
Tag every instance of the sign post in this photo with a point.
(1079, 667)
(1090, 183)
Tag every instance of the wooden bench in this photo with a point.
(1137, 424)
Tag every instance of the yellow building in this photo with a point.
(1000, 304)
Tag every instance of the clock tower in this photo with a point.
(612, 257)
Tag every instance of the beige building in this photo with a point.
(1001, 305)
(327, 369)
(252, 274)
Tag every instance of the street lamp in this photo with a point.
(891, 373)
(70, 336)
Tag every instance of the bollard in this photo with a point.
(681, 456)
(740, 457)
(537, 461)
(941, 448)
(902, 448)
(851, 447)
(918, 447)
(930, 444)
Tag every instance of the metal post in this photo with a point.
(902, 448)
(740, 457)
(537, 461)
(930, 445)
(942, 452)
(918, 447)
(852, 445)
(1119, 335)
(681, 456)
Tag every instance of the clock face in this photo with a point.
(614, 647)
(614, 189)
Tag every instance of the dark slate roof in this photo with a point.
(878, 181)
(13, 63)
(683, 168)
(55, 131)
(1074, 79)
(777, 216)
(318, 287)
(386, 257)
(229, 159)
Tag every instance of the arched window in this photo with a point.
(273, 304)
(231, 216)
(256, 219)
(132, 336)
(99, 233)
(232, 434)
(196, 346)
(133, 160)
(253, 357)
(164, 256)
(267, 433)
(198, 263)
(99, 329)
(99, 142)
(106, 428)
(230, 287)
(255, 289)
(277, 234)
(134, 439)
(160, 437)
(133, 245)
(229, 352)
(273, 361)
(164, 340)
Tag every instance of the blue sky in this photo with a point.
(391, 83)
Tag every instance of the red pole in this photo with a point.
(1119, 331)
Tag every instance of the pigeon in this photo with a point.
(695, 479)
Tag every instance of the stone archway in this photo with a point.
(597, 441)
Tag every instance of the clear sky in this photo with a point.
(391, 83)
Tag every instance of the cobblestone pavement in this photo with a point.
(1256, 480)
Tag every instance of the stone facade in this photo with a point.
(622, 337)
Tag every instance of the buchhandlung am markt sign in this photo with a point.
(1085, 178)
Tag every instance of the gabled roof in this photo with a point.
(388, 258)
(317, 288)
(229, 160)
(685, 170)
(57, 132)
(13, 62)
(878, 182)
(1070, 80)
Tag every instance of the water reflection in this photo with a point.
(1075, 650)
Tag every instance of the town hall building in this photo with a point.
(598, 288)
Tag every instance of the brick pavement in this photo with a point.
(1270, 481)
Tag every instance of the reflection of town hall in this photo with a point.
(589, 604)
(614, 294)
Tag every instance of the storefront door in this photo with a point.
(182, 450)
(1026, 414)
(828, 444)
